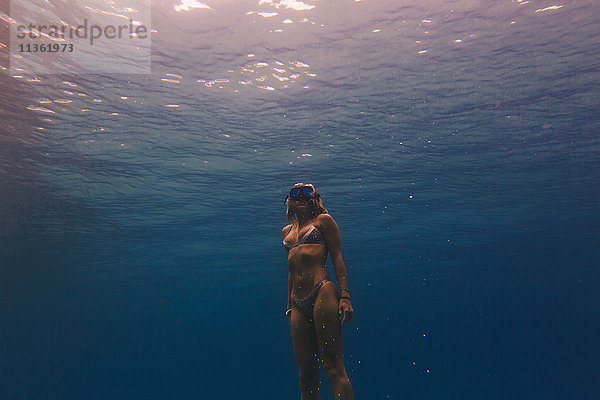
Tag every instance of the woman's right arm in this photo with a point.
(284, 232)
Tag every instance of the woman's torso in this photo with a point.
(306, 257)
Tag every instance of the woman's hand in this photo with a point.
(345, 311)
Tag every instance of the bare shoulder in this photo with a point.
(330, 231)
(286, 230)
(326, 222)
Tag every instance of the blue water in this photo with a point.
(140, 246)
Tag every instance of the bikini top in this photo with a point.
(312, 236)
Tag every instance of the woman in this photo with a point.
(315, 309)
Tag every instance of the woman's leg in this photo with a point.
(306, 351)
(329, 336)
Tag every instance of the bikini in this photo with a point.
(312, 236)
(306, 305)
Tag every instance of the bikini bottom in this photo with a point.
(306, 305)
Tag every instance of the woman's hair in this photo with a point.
(315, 205)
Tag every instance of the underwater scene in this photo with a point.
(147, 156)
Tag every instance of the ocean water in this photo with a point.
(456, 143)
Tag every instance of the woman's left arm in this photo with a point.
(333, 239)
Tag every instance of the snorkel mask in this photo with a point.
(304, 192)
